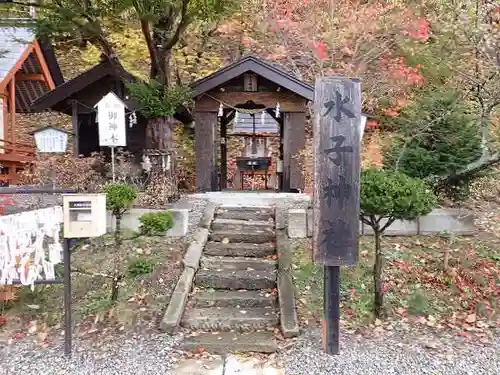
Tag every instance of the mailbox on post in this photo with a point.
(84, 215)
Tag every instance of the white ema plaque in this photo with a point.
(51, 140)
(111, 120)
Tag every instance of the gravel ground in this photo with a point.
(392, 355)
(144, 354)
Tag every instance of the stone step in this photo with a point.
(245, 213)
(250, 236)
(233, 298)
(239, 249)
(230, 318)
(237, 264)
(227, 342)
(226, 224)
(234, 280)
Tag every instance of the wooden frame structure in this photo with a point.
(28, 70)
(248, 82)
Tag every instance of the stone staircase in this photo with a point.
(234, 305)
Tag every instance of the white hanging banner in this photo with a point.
(23, 255)
(111, 121)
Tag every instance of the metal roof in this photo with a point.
(13, 42)
(262, 68)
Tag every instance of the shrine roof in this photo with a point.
(258, 66)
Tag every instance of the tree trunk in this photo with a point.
(115, 285)
(118, 230)
(377, 275)
(159, 133)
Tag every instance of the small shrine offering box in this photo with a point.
(84, 215)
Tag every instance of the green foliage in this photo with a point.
(157, 100)
(394, 195)
(436, 136)
(141, 266)
(119, 197)
(156, 223)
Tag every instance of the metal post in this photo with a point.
(113, 163)
(67, 298)
(332, 308)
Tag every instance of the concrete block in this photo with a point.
(398, 228)
(280, 216)
(175, 309)
(456, 221)
(297, 223)
(193, 255)
(201, 236)
(208, 215)
(130, 220)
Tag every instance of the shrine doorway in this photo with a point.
(250, 156)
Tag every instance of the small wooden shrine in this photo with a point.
(261, 103)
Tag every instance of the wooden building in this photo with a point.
(28, 70)
(78, 97)
(249, 86)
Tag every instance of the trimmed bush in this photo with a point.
(156, 223)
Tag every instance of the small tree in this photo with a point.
(119, 199)
(387, 196)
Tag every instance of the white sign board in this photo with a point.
(51, 140)
(111, 120)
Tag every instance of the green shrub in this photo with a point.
(141, 266)
(156, 223)
(119, 197)
(386, 196)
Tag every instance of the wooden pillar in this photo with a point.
(12, 100)
(294, 140)
(223, 153)
(75, 128)
(206, 174)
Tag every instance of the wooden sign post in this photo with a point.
(337, 109)
(111, 120)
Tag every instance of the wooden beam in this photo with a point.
(19, 64)
(44, 66)
(12, 102)
(289, 102)
(29, 77)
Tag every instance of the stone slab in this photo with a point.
(234, 280)
(201, 236)
(245, 213)
(238, 263)
(230, 318)
(398, 228)
(208, 215)
(193, 255)
(237, 365)
(234, 224)
(130, 220)
(175, 309)
(297, 223)
(253, 236)
(233, 298)
(199, 367)
(227, 342)
(280, 216)
(240, 249)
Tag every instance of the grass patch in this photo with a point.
(151, 266)
(415, 281)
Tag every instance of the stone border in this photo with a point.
(442, 220)
(286, 289)
(191, 262)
